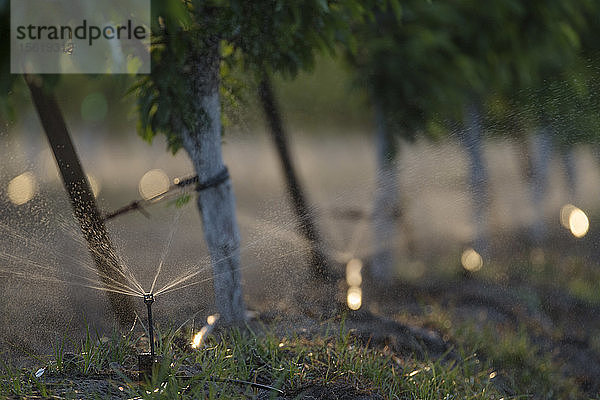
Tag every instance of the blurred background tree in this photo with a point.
(433, 68)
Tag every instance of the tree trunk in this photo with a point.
(216, 203)
(472, 141)
(387, 198)
(319, 261)
(82, 200)
(541, 156)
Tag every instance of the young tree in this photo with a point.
(83, 201)
(401, 62)
(181, 96)
(319, 261)
(74, 180)
(562, 102)
(438, 63)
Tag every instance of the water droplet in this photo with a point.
(153, 183)
(471, 260)
(22, 188)
(354, 298)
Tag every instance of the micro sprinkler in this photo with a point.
(146, 361)
(149, 299)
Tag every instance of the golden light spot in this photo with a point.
(154, 182)
(354, 298)
(353, 272)
(579, 223)
(471, 260)
(199, 338)
(211, 319)
(94, 184)
(22, 188)
(493, 375)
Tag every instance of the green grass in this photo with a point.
(518, 363)
(485, 364)
(517, 366)
(220, 369)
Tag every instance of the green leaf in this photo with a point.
(183, 200)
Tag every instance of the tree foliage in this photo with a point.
(262, 35)
(429, 60)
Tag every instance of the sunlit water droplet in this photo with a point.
(211, 319)
(22, 188)
(471, 260)
(199, 337)
(153, 183)
(579, 223)
(354, 298)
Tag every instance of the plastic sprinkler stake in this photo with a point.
(149, 299)
(147, 361)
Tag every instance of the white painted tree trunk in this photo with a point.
(478, 176)
(216, 204)
(387, 197)
(541, 156)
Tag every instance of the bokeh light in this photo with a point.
(353, 272)
(153, 183)
(199, 337)
(579, 223)
(354, 298)
(471, 260)
(21, 189)
(211, 319)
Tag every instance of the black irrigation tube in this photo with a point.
(139, 205)
(237, 381)
(179, 183)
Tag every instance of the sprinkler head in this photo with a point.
(148, 298)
